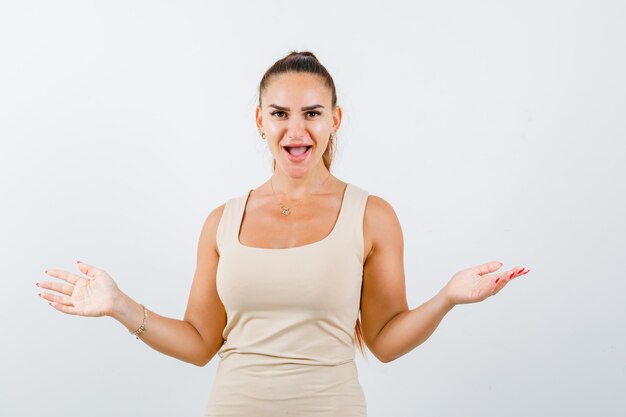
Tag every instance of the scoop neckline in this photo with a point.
(340, 215)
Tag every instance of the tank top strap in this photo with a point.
(228, 227)
(352, 218)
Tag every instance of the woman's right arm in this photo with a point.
(195, 339)
(198, 337)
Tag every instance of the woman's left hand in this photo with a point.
(473, 284)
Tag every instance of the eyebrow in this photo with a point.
(315, 106)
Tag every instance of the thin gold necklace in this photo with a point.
(287, 210)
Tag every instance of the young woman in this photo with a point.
(284, 271)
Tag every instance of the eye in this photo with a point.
(276, 112)
(313, 112)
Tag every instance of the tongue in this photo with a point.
(297, 150)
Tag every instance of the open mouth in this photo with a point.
(297, 150)
(297, 153)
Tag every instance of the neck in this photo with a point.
(298, 187)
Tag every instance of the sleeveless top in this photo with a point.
(287, 308)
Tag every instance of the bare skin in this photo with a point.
(390, 328)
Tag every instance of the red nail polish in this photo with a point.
(497, 280)
(511, 276)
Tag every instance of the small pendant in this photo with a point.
(285, 211)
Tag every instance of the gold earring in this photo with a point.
(262, 134)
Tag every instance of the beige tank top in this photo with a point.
(292, 305)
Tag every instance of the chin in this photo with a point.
(296, 172)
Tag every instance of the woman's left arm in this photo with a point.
(390, 328)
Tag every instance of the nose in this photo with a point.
(296, 129)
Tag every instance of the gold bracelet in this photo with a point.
(141, 328)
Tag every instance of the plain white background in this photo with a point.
(495, 129)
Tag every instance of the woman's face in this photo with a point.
(297, 118)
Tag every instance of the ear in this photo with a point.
(259, 117)
(337, 114)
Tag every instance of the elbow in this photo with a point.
(207, 354)
(385, 356)
(381, 356)
(203, 361)
(379, 351)
(200, 364)
(384, 359)
(388, 359)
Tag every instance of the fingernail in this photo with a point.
(36, 283)
(39, 294)
(45, 272)
(78, 262)
(511, 276)
(497, 280)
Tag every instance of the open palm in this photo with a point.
(83, 296)
(472, 285)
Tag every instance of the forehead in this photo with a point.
(296, 87)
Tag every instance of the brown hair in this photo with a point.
(307, 62)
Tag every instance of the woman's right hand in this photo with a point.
(94, 296)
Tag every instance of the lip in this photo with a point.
(297, 158)
(292, 145)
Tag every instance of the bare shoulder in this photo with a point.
(378, 206)
(214, 217)
(380, 225)
(209, 228)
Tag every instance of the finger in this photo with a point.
(486, 267)
(64, 308)
(499, 281)
(523, 271)
(60, 299)
(57, 286)
(504, 278)
(87, 269)
(64, 275)
(498, 284)
(514, 273)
